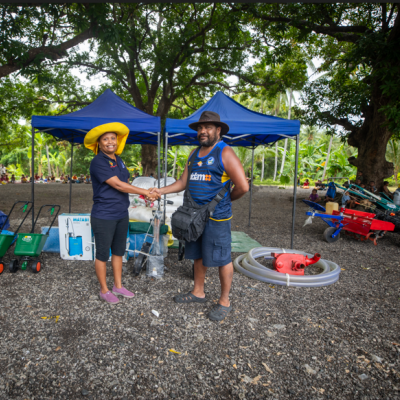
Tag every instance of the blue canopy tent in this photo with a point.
(246, 128)
(108, 107)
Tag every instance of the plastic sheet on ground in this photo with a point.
(242, 243)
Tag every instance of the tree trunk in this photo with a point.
(48, 161)
(175, 157)
(371, 140)
(149, 159)
(40, 162)
(327, 158)
(285, 146)
(262, 168)
(283, 158)
(276, 149)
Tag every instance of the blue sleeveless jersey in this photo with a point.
(207, 179)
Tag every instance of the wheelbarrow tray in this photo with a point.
(30, 244)
(362, 223)
(5, 243)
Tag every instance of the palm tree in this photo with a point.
(290, 95)
(327, 157)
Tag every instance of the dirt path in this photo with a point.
(338, 342)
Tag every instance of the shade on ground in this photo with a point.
(241, 243)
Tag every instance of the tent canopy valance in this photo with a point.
(246, 128)
(108, 107)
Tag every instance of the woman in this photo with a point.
(109, 217)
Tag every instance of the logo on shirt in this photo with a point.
(210, 161)
(200, 163)
(112, 164)
(200, 177)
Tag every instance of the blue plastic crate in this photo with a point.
(53, 242)
(136, 241)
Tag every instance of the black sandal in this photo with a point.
(219, 312)
(189, 298)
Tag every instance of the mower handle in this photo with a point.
(53, 206)
(8, 216)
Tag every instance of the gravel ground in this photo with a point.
(338, 342)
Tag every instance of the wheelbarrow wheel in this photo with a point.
(141, 258)
(13, 267)
(1, 267)
(138, 264)
(328, 235)
(36, 266)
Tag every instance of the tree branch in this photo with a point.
(338, 121)
(45, 52)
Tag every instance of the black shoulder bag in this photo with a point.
(188, 221)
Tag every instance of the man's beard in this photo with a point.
(208, 142)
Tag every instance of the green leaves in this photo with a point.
(284, 179)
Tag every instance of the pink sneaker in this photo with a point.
(122, 292)
(109, 297)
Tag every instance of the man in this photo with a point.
(347, 201)
(386, 189)
(213, 165)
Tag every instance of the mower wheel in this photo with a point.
(13, 267)
(328, 232)
(1, 267)
(36, 266)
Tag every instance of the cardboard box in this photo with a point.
(76, 237)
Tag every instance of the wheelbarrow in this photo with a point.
(358, 224)
(8, 238)
(29, 246)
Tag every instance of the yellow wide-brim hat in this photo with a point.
(92, 137)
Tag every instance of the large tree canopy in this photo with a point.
(360, 88)
(167, 53)
(31, 34)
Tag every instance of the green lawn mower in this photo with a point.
(29, 246)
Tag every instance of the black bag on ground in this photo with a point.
(188, 221)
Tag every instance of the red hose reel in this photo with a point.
(293, 264)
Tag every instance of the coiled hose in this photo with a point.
(247, 265)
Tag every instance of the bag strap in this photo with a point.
(190, 167)
(220, 195)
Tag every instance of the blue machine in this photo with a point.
(73, 243)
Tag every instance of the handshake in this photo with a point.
(153, 194)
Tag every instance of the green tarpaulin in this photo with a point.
(241, 243)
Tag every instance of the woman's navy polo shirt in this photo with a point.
(109, 203)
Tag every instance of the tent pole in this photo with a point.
(33, 178)
(295, 190)
(159, 157)
(251, 182)
(70, 181)
(165, 168)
